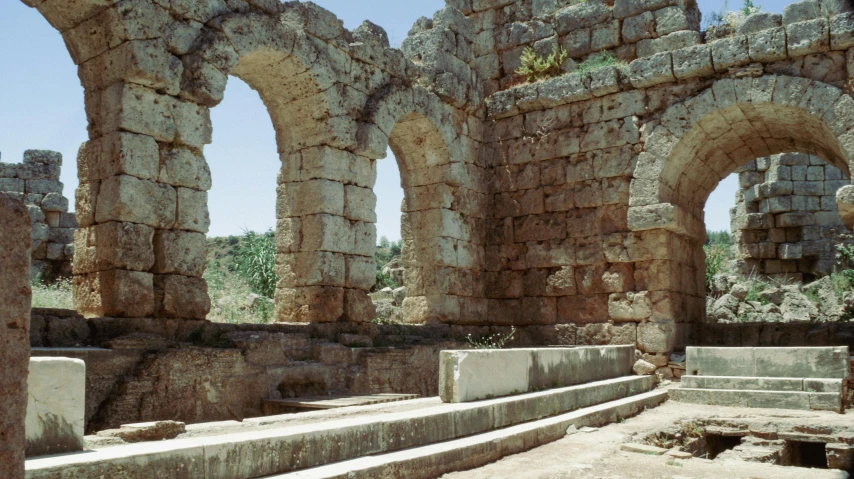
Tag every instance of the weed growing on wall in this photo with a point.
(597, 61)
(56, 295)
(537, 68)
(492, 341)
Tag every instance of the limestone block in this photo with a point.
(193, 124)
(808, 37)
(605, 35)
(606, 333)
(114, 293)
(730, 52)
(113, 245)
(181, 166)
(179, 252)
(801, 11)
(119, 154)
(692, 62)
(360, 204)
(638, 27)
(11, 185)
(842, 31)
(323, 233)
(790, 251)
(656, 337)
(652, 70)
(309, 304)
(178, 296)
(192, 210)
(767, 45)
(315, 268)
(43, 187)
(143, 62)
(361, 272)
(671, 19)
(310, 197)
(758, 22)
(56, 406)
(576, 43)
(583, 15)
(668, 43)
(540, 227)
(630, 306)
(132, 108)
(563, 89)
(358, 306)
(54, 203)
(818, 362)
(85, 199)
(129, 199)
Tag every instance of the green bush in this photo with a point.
(718, 237)
(493, 341)
(255, 262)
(536, 68)
(716, 257)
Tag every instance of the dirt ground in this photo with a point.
(597, 454)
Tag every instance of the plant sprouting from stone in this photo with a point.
(535, 67)
(597, 61)
(492, 341)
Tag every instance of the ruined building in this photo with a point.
(798, 235)
(570, 208)
(36, 183)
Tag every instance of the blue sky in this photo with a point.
(41, 107)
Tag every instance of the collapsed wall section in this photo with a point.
(800, 225)
(36, 183)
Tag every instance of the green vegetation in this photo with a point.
(255, 262)
(492, 341)
(537, 68)
(718, 249)
(718, 238)
(56, 295)
(597, 61)
(730, 19)
(386, 252)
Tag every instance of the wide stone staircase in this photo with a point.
(421, 438)
(783, 378)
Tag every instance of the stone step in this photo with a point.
(760, 399)
(763, 384)
(331, 402)
(265, 452)
(435, 460)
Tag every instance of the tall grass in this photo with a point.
(56, 295)
(255, 262)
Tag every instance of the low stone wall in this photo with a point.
(481, 374)
(792, 362)
(55, 410)
(36, 183)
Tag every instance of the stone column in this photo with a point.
(325, 236)
(15, 298)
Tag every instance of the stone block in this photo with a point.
(129, 199)
(656, 337)
(318, 233)
(817, 362)
(807, 37)
(709, 361)
(114, 245)
(314, 304)
(767, 45)
(671, 19)
(759, 22)
(464, 377)
(56, 406)
(652, 70)
(179, 252)
(192, 210)
(360, 204)
(638, 27)
(730, 52)
(842, 31)
(114, 293)
(692, 62)
(310, 197)
(743, 383)
(182, 166)
(801, 11)
(182, 297)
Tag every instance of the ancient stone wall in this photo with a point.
(36, 183)
(798, 240)
(573, 203)
(15, 298)
(600, 177)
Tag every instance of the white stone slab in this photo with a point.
(56, 407)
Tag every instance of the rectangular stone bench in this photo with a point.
(782, 378)
(471, 375)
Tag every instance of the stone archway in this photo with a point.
(442, 208)
(707, 137)
(15, 298)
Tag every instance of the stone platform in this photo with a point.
(783, 378)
